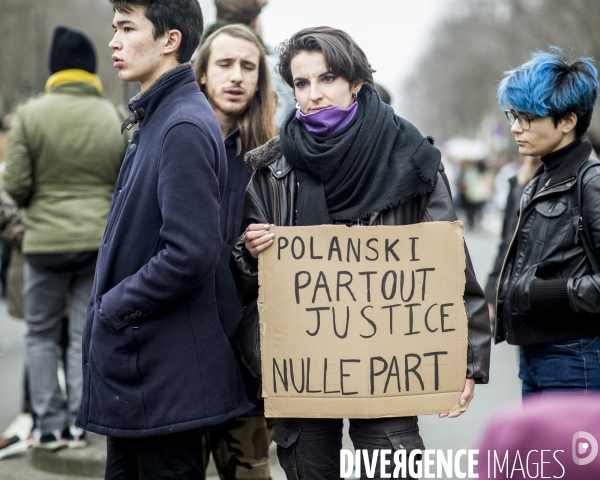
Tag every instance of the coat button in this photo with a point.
(278, 172)
(138, 313)
(132, 146)
(127, 318)
(287, 439)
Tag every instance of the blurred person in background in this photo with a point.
(62, 162)
(19, 437)
(475, 184)
(548, 300)
(505, 168)
(316, 173)
(247, 12)
(232, 71)
(383, 94)
(11, 233)
(5, 247)
(509, 224)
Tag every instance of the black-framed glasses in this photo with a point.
(524, 120)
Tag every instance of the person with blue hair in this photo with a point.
(548, 293)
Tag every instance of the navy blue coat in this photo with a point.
(230, 308)
(155, 357)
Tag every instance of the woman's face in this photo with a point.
(316, 87)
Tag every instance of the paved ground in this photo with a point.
(437, 433)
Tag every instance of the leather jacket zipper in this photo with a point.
(511, 244)
(552, 186)
(504, 264)
(275, 201)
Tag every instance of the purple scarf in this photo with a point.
(328, 121)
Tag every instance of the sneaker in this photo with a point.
(75, 437)
(49, 441)
(13, 446)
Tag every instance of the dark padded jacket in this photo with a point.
(547, 247)
(271, 198)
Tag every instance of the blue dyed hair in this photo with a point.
(549, 85)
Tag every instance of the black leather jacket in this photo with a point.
(509, 225)
(547, 246)
(271, 197)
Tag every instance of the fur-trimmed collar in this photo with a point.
(265, 155)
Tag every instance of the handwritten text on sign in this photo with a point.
(363, 322)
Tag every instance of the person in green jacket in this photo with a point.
(62, 162)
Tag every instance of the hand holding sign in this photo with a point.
(257, 238)
(465, 399)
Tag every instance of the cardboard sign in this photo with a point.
(363, 322)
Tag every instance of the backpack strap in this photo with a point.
(578, 218)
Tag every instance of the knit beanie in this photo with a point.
(71, 49)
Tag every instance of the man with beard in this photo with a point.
(248, 13)
(232, 71)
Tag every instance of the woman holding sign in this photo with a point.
(344, 157)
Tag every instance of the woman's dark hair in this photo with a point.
(182, 15)
(342, 55)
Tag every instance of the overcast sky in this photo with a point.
(392, 33)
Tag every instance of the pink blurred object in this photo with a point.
(562, 431)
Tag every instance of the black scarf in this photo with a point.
(377, 161)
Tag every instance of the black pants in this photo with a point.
(309, 448)
(177, 456)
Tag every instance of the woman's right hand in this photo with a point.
(257, 238)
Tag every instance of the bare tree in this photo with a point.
(454, 87)
(27, 27)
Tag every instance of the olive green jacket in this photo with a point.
(63, 158)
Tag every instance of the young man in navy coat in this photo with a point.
(157, 365)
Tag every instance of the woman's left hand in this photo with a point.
(465, 398)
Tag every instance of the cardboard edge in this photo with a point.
(364, 408)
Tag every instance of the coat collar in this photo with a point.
(76, 88)
(74, 76)
(233, 135)
(570, 164)
(163, 87)
(269, 156)
(265, 155)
